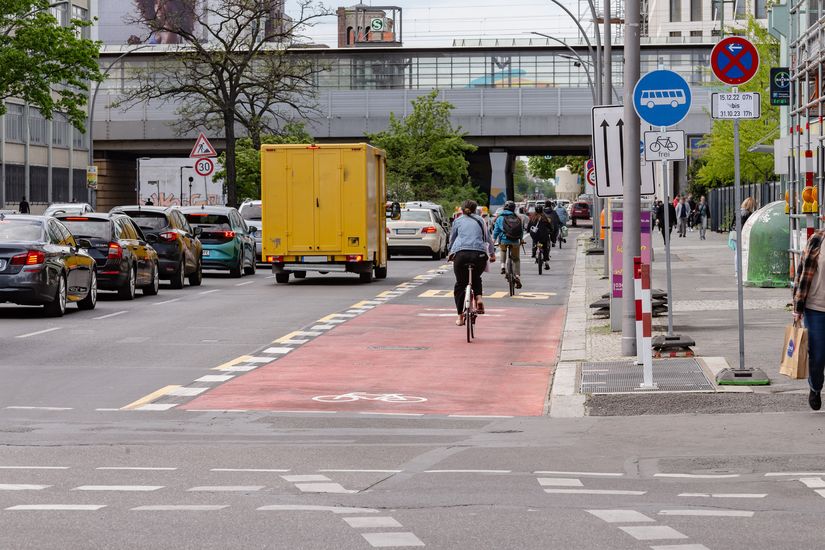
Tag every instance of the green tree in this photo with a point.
(545, 168)
(248, 159)
(717, 169)
(426, 155)
(521, 179)
(43, 63)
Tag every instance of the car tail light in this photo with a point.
(355, 258)
(429, 229)
(32, 257)
(388, 231)
(227, 234)
(275, 259)
(169, 236)
(115, 251)
(76, 219)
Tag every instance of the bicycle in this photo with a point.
(540, 256)
(508, 271)
(665, 142)
(469, 313)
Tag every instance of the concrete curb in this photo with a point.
(565, 400)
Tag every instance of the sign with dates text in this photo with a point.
(731, 105)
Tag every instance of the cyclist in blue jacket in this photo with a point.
(508, 233)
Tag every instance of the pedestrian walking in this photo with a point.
(24, 206)
(471, 244)
(682, 214)
(660, 219)
(809, 305)
(745, 210)
(692, 216)
(748, 207)
(702, 217)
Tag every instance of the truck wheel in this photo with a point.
(300, 274)
(366, 277)
(381, 272)
(282, 278)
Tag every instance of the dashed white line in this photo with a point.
(125, 488)
(813, 482)
(316, 508)
(594, 492)
(392, 540)
(44, 331)
(652, 532)
(139, 468)
(467, 471)
(681, 547)
(59, 507)
(227, 488)
(560, 482)
(215, 378)
(363, 471)
(620, 516)
(794, 474)
(167, 301)
(209, 291)
(698, 476)
(28, 408)
(180, 508)
(724, 495)
(560, 473)
(22, 487)
(709, 513)
(304, 478)
(372, 522)
(156, 407)
(34, 467)
(244, 284)
(256, 470)
(186, 392)
(323, 488)
(115, 314)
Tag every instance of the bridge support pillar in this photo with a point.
(501, 178)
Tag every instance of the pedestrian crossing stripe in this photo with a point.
(448, 293)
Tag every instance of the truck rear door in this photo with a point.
(329, 204)
(301, 196)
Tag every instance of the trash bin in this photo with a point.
(765, 241)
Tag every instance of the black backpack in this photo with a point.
(513, 229)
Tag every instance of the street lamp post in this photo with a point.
(137, 179)
(181, 186)
(578, 57)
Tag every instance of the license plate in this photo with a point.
(314, 259)
(405, 231)
(2, 265)
(206, 253)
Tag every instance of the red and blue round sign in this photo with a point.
(734, 60)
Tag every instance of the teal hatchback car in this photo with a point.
(228, 243)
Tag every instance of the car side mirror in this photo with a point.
(196, 231)
(151, 238)
(83, 243)
(252, 229)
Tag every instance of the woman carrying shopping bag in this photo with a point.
(809, 305)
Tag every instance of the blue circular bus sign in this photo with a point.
(662, 98)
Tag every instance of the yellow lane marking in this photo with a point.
(289, 337)
(445, 293)
(233, 362)
(362, 304)
(385, 294)
(149, 398)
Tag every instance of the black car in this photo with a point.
(125, 259)
(177, 245)
(42, 264)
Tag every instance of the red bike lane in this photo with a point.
(408, 350)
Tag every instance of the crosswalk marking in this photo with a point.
(724, 495)
(316, 508)
(305, 478)
(813, 482)
(652, 532)
(595, 474)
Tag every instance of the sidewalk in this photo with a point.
(705, 309)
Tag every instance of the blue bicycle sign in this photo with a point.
(662, 98)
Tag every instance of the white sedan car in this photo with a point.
(417, 233)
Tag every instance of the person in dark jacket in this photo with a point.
(549, 209)
(660, 218)
(541, 228)
(24, 206)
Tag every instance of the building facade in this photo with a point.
(697, 20)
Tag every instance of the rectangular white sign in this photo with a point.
(665, 145)
(731, 105)
(608, 154)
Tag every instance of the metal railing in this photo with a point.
(723, 205)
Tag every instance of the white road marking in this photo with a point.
(620, 516)
(467, 471)
(315, 508)
(139, 468)
(34, 467)
(724, 495)
(304, 478)
(156, 407)
(322, 327)
(258, 360)
(560, 482)
(60, 507)
(323, 488)
(559, 473)
(115, 314)
(27, 408)
(372, 522)
(244, 368)
(209, 291)
(227, 488)
(820, 492)
(357, 311)
(698, 476)
(652, 532)
(128, 488)
(167, 301)
(277, 351)
(261, 470)
(44, 331)
(22, 487)
(709, 513)
(215, 378)
(681, 547)
(392, 540)
(364, 471)
(813, 482)
(306, 333)
(244, 284)
(336, 321)
(794, 474)
(187, 392)
(594, 492)
(107, 409)
(180, 508)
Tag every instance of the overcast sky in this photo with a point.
(438, 22)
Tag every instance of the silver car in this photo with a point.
(251, 212)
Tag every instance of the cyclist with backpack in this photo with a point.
(508, 233)
(541, 229)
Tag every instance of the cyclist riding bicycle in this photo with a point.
(549, 209)
(508, 233)
(540, 231)
(471, 245)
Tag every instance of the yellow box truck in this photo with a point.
(324, 209)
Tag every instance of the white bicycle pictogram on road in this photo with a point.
(359, 396)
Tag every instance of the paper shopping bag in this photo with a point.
(795, 352)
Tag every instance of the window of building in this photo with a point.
(760, 9)
(741, 9)
(79, 139)
(37, 127)
(61, 13)
(675, 34)
(696, 33)
(83, 15)
(14, 122)
(716, 7)
(696, 10)
(60, 130)
(675, 11)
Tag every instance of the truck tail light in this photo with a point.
(388, 231)
(429, 229)
(275, 259)
(115, 251)
(32, 257)
(169, 236)
(355, 258)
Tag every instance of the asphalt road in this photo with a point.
(80, 469)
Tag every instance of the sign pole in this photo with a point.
(666, 191)
(737, 201)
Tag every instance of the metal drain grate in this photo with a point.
(682, 374)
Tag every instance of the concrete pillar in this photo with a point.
(500, 188)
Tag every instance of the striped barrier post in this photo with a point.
(637, 292)
(644, 321)
(809, 182)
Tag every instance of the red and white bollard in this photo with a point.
(644, 321)
(809, 182)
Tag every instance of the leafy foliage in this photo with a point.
(426, 155)
(545, 168)
(718, 165)
(44, 63)
(248, 159)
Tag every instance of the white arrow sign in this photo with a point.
(608, 153)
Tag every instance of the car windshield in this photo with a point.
(148, 220)
(199, 218)
(21, 231)
(251, 212)
(88, 228)
(415, 216)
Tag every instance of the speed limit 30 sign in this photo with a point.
(204, 167)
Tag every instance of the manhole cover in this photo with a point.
(682, 374)
(398, 348)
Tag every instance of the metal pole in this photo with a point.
(607, 97)
(737, 201)
(666, 188)
(632, 178)
(137, 182)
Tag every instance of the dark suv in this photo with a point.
(179, 250)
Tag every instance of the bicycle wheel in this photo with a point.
(511, 278)
(468, 322)
(539, 258)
